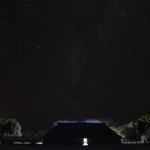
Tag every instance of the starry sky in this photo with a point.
(74, 60)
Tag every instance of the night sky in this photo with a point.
(74, 60)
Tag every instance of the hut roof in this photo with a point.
(78, 130)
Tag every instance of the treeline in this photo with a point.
(10, 127)
(134, 130)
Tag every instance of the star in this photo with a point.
(38, 46)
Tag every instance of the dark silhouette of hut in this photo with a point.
(81, 134)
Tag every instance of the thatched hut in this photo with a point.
(81, 134)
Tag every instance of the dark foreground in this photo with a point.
(102, 147)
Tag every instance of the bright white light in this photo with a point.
(39, 142)
(82, 121)
(94, 121)
(85, 142)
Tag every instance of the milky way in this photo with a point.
(77, 60)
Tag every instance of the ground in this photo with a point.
(41, 147)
